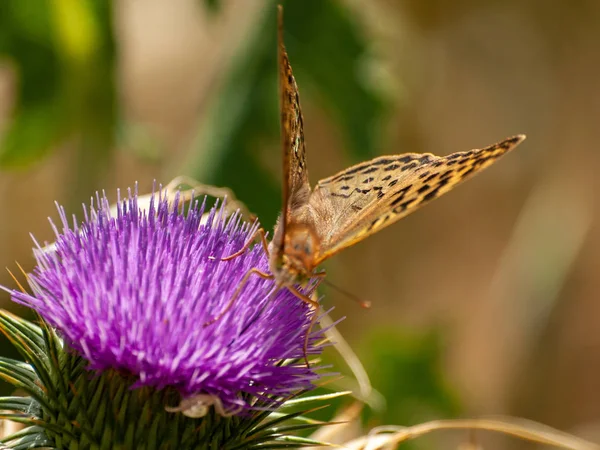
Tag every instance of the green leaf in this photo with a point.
(23, 336)
(19, 372)
(21, 404)
(316, 398)
(33, 439)
(267, 426)
(292, 442)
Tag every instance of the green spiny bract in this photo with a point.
(69, 407)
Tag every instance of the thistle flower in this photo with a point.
(130, 295)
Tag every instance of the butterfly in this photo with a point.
(343, 209)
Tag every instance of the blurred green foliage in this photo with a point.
(406, 368)
(62, 53)
(212, 5)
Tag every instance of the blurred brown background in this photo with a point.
(502, 271)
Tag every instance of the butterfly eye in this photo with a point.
(307, 249)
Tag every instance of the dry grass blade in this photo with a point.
(361, 387)
(389, 437)
(345, 424)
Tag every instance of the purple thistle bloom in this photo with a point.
(132, 291)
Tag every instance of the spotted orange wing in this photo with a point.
(361, 200)
(296, 187)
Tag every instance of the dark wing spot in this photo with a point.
(387, 177)
(393, 183)
(368, 180)
(430, 196)
(392, 167)
(383, 162)
(403, 206)
(400, 195)
(430, 177)
(424, 174)
(467, 173)
(378, 221)
(352, 171)
(370, 170)
(344, 188)
(423, 188)
(514, 140)
(433, 194)
(398, 200)
(335, 194)
(380, 195)
(412, 165)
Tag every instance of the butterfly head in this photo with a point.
(296, 262)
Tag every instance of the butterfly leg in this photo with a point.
(237, 292)
(195, 189)
(263, 239)
(315, 305)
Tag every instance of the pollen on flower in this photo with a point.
(131, 290)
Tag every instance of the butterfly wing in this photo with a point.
(367, 197)
(296, 187)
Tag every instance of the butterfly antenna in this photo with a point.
(363, 303)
